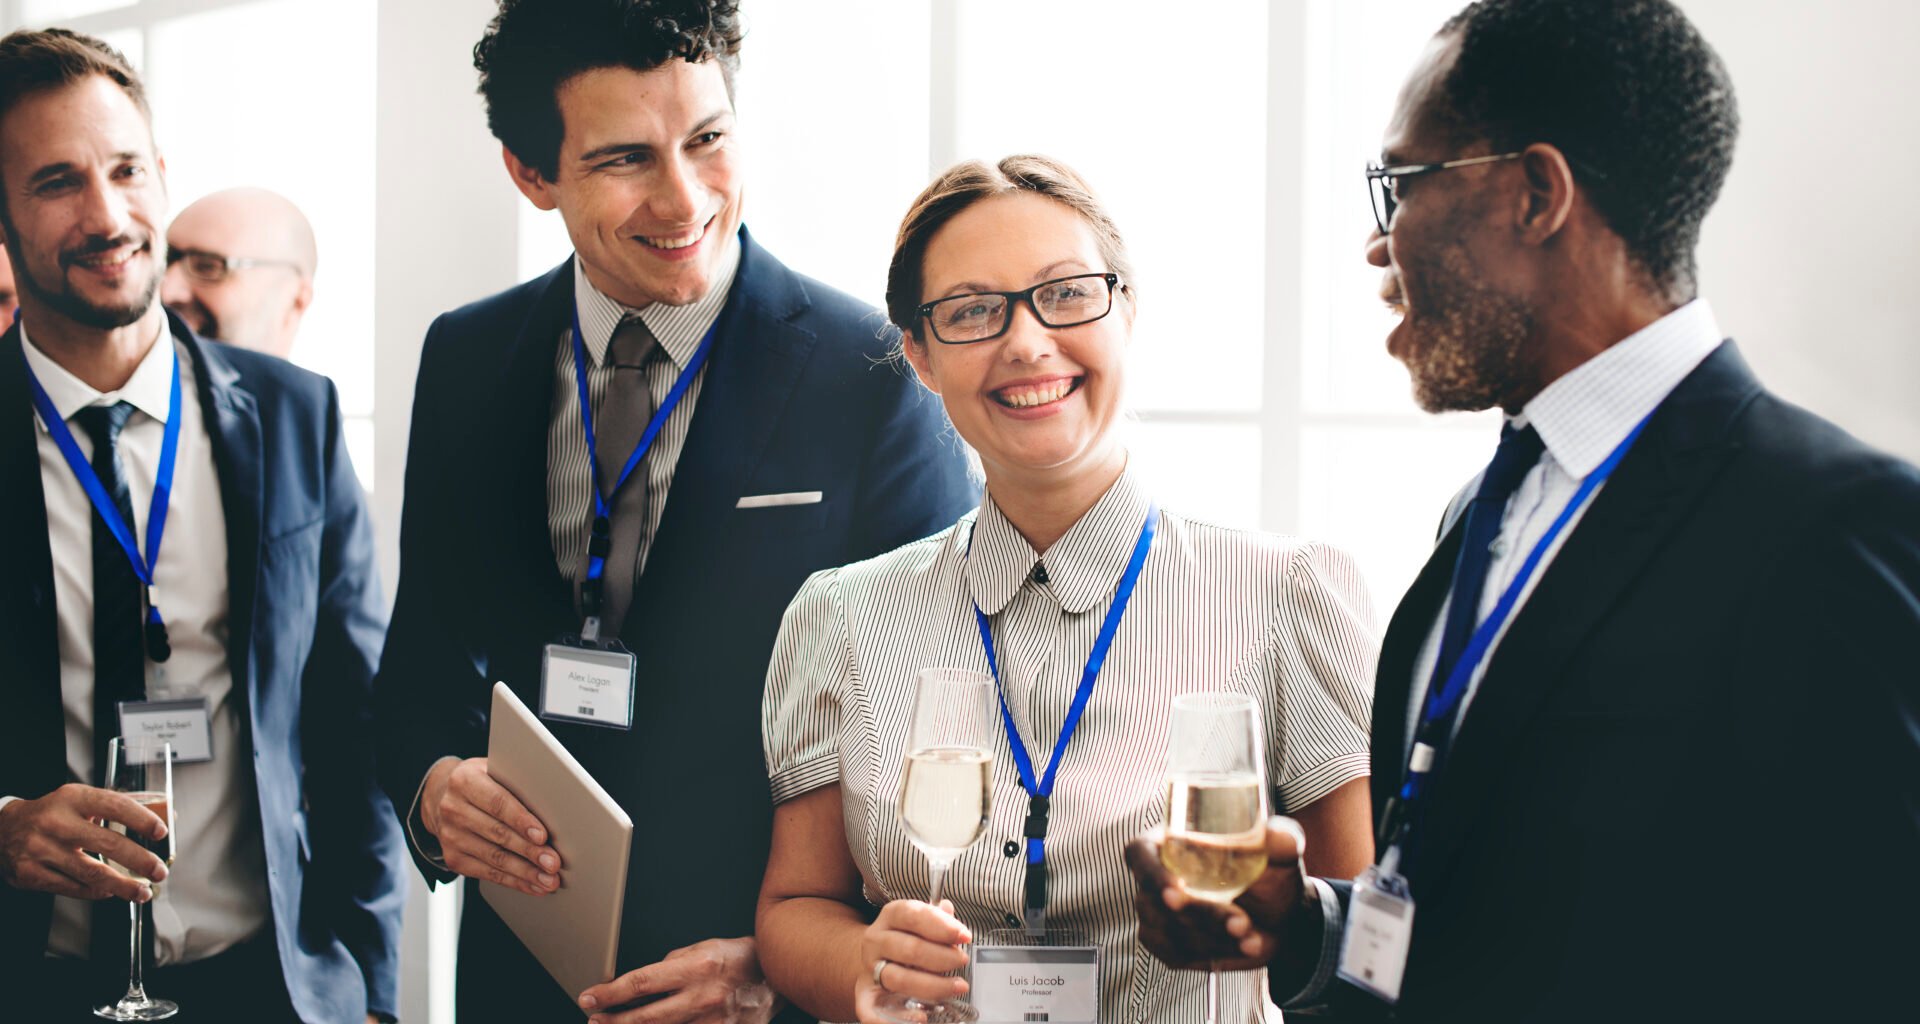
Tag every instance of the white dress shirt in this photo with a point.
(1581, 417)
(215, 894)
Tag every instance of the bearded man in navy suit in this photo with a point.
(1647, 726)
(242, 594)
(761, 434)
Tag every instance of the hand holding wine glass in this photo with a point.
(143, 773)
(944, 793)
(47, 845)
(1215, 841)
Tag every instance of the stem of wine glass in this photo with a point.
(136, 981)
(936, 873)
(1213, 994)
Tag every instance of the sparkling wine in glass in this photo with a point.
(944, 794)
(1215, 841)
(144, 772)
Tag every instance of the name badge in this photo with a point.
(590, 685)
(1379, 932)
(187, 724)
(1016, 980)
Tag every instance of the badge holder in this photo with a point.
(1373, 954)
(186, 723)
(589, 680)
(1017, 978)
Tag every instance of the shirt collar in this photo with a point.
(1583, 416)
(1083, 566)
(148, 390)
(677, 328)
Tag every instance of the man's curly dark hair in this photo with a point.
(532, 47)
(1627, 87)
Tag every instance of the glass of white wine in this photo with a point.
(1216, 802)
(144, 772)
(944, 794)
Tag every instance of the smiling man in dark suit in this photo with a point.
(1648, 723)
(182, 525)
(760, 435)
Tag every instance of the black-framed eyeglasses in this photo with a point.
(1381, 180)
(1382, 190)
(213, 267)
(984, 316)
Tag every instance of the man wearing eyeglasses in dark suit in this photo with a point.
(1647, 726)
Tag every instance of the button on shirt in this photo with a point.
(1582, 417)
(216, 891)
(1285, 622)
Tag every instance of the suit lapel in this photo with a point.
(521, 410)
(1649, 496)
(26, 586)
(232, 417)
(1393, 686)
(757, 359)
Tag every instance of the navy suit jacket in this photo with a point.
(1689, 785)
(797, 397)
(305, 622)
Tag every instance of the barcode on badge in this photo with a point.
(587, 711)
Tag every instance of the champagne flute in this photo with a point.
(144, 772)
(1216, 802)
(944, 794)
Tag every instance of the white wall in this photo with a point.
(1811, 259)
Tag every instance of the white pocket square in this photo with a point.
(771, 500)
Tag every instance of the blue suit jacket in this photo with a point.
(1689, 786)
(305, 623)
(797, 397)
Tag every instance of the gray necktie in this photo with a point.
(624, 413)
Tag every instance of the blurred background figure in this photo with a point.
(240, 266)
(9, 295)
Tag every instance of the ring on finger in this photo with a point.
(879, 966)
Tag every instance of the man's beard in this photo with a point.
(72, 306)
(1470, 347)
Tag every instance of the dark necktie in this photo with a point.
(1518, 452)
(119, 659)
(624, 413)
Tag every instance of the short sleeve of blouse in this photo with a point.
(1326, 651)
(800, 711)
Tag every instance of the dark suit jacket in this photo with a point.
(1688, 787)
(305, 621)
(796, 398)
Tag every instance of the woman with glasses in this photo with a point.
(1078, 587)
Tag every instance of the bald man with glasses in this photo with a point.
(240, 266)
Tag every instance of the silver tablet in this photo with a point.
(574, 932)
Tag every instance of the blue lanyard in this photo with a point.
(1040, 790)
(1441, 701)
(103, 505)
(599, 543)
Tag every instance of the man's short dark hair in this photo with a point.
(1627, 87)
(31, 61)
(533, 47)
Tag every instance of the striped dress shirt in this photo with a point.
(1285, 622)
(569, 470)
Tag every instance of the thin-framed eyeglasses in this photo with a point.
(213, 267)
(1382, 178)
(984, 316)
(1382, 190)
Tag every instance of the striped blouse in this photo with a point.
(1285, 622)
